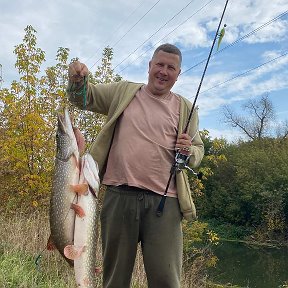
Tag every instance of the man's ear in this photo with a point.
(178, 74)
(149, 66)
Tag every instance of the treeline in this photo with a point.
(249, 188)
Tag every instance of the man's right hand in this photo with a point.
(77, 71)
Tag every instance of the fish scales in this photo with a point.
(66, 175)
(85, 234)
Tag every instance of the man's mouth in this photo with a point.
(162, 79)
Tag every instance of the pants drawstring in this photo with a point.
(141, 197)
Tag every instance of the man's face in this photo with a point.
(164, 69)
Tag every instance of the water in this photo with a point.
(250, 266)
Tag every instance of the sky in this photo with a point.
(252, 60)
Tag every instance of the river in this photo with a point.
(250, 266)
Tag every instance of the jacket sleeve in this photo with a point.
(97, 98)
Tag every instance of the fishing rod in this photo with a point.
(182, 157)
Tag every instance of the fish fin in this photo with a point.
(78, 210)
(73, 252)
(79, 139)
(81, 189)
(50, 244)
(98, 271)
(91, 173)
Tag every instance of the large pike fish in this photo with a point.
(83, 251)
(65, 184)
(73, 205)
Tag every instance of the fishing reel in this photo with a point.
(181, 162)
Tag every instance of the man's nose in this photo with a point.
(164, 70)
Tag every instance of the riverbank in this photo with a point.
(250, 265)
(247, 235)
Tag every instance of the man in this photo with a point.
(135, 151)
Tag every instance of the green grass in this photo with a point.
(24, 237)
(18, 269)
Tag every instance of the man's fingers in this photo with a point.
(184, 139)
(77, 70)
(74, 68)
(84, 70)
(183, 142)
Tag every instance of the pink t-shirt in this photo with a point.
(143, 147)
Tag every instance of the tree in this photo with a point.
(23, 125)
(105, 73)
(28, 116)
(256, 124)
(250, 188)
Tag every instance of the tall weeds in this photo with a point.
(25, 262)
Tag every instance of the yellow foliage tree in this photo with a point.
(24, 168)
(28, 116)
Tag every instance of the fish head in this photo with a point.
(65, 137)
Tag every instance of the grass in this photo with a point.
(24, 237)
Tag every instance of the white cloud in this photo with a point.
(87, 27)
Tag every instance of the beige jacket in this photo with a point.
(111, 100)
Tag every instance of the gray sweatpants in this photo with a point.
(129, 216)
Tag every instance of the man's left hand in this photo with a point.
(183, 142)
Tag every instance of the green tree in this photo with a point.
(250, 188)
(214, 155)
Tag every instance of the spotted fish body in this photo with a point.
(66, 176)
(83, 252)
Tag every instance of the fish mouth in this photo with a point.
(64, 123)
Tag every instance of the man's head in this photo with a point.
(169, 48)
(164, 69)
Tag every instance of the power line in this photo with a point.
(113, 46)
(240, 39)
(246, 72)
(220, 51)
(175, 15)
(116, 30)
(164, 36)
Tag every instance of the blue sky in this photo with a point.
(134, 28)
